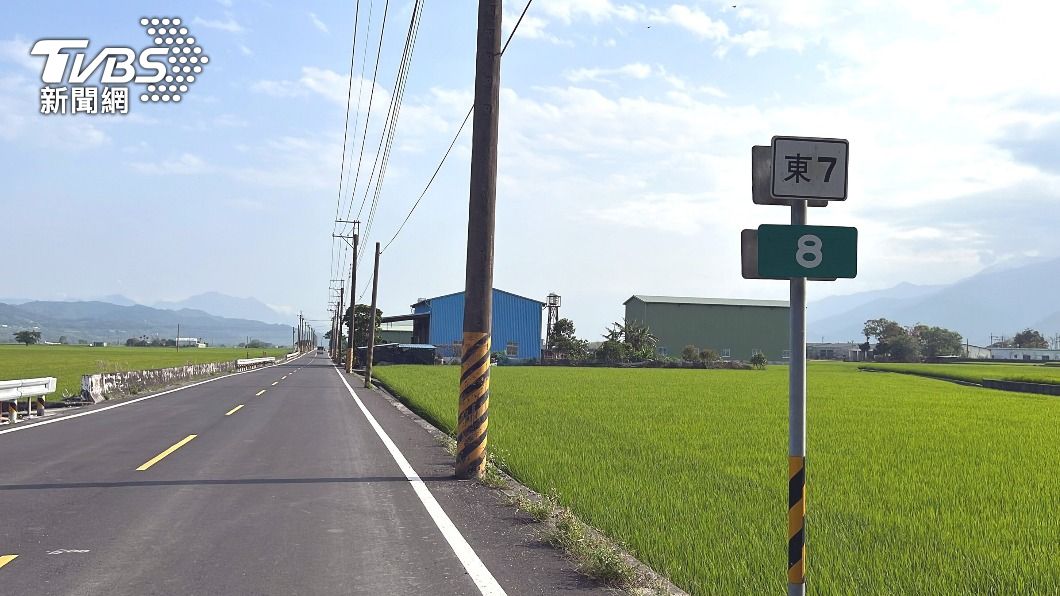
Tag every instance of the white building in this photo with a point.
(1026, 354)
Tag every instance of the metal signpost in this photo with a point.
(799, 172)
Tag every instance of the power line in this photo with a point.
(516, 27)
(455, 138)
(368, 117)
(344, 177)
(386, 141)
(433, 176)
(346, 121)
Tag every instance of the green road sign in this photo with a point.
(807, 251)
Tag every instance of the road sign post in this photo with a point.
(799, 172)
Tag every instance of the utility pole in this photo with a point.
(338, 320)
(177, 342)
(478, 285)
(369, 355)
(355, 231)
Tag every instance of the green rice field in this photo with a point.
(69, 363)
(915, 486)
(975, 373)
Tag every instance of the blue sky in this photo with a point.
(626, 130)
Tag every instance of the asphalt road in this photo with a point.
(221, 488)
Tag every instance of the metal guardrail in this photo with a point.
(245, 363)
(17, 389)
(12, 391)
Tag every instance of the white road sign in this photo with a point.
(809, 168)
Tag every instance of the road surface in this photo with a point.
(275, 481)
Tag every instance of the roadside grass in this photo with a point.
(69, 363)
(915, 486)
(975, 373)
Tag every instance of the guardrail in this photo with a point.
(293, 355)
(12, 391)
(248, 363)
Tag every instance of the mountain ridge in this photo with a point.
(104, 321)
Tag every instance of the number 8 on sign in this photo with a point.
(809, 246)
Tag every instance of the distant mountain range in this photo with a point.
(214, 303)
(223, 305)
(996, 301)
(104, 321)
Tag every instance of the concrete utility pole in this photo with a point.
(369, 355)
(355, 228)
(478, 288)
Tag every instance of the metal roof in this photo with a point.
(707, 301)
(426, 300)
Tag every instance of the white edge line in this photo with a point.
(30, 425)
(474, 566)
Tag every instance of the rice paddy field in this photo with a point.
(69, 363)
(915, 485)
(975, 373)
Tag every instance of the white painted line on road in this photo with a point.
(474, 566)
(127, 403)
(259, 393)
(275, 382)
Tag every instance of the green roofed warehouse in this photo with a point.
(735, 329)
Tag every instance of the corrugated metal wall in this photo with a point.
(739, 329)
(515, 319)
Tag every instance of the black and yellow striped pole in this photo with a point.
(796, 524)
(478, 290)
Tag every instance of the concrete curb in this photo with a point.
(646, 576)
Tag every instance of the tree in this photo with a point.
(708, 355)
(904, 348)
(690, 353)
(257, 344)
(639, 343)
(1029, 338)
(27, 337)
(563, 340)
(937, 341)
(360, 323)
(610, 351)
(885, 331)
(758, 360)
(63, 340)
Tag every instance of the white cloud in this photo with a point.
(318, 23)
(22, 123)
(245, 50)
(229, 24)
(183, 164)
(16, 51)
(324, 82)
(635, 70)
(693, 20)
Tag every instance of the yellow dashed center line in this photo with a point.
(234, 410)
(5, 559)
(259, 393)
(275, 382)
(154, 460)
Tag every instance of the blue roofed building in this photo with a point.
(516, 324)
